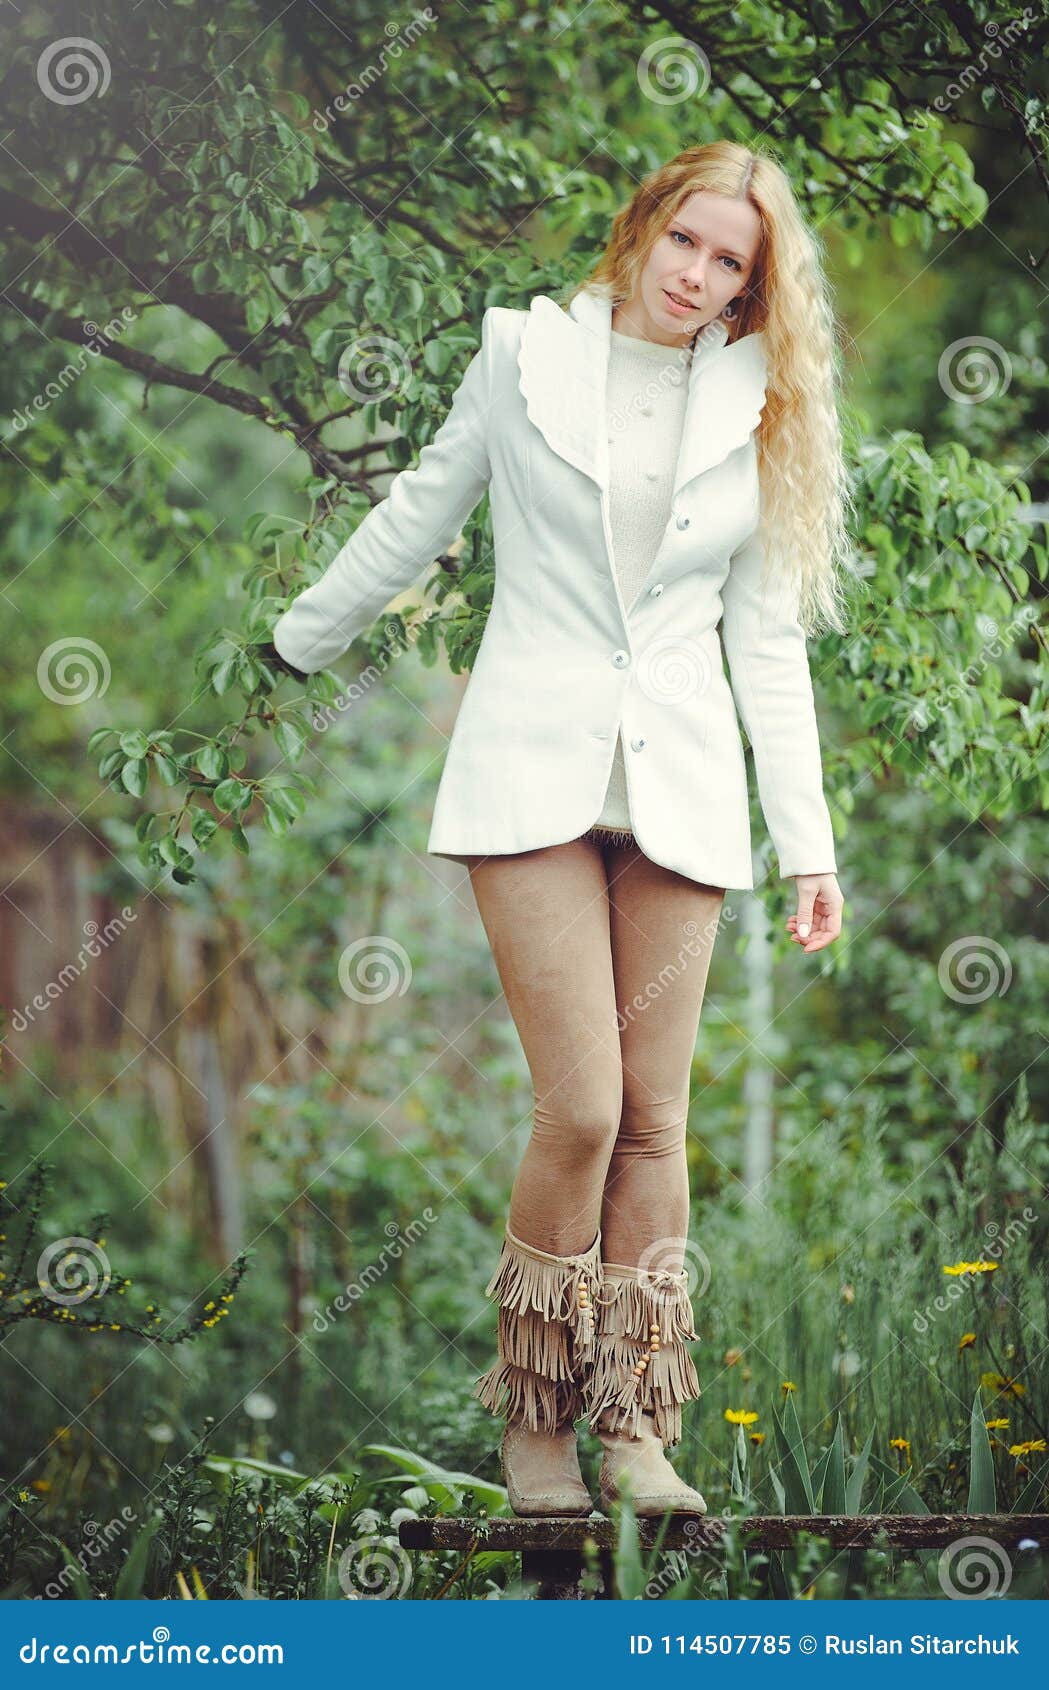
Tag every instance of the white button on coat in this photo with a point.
(526, 766)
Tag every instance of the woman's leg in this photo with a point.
(546, 914)
(662, 927)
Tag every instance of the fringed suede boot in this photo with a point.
(545, 1340)
(641, 1375)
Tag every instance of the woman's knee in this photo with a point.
(652, 1127)
(579, 1121)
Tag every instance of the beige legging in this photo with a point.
(603, 956)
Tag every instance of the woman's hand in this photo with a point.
(269, 654)
(820, 904)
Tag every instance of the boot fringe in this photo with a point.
(533, 1342)
(631, 1306)
(546, 1332)
(560, 1289)
(517, 1393)
(615, 1393)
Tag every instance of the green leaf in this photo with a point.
(437, 356)
(908, 1498)
(794, 1466)
(982, 1499)
(231, 795)
(131, 1578)
(224, 674)
(203, 827)
(134, 744)
(291, 739)
(286, 801)
(166, 768)
(240, 840)
(441, 1482)
(79, 1578)
(834, 1482)
(135, 776)
(630, 1574)
(854, 1488)
(212, 762)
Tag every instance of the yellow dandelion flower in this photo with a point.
(1033, 1446)
(971, 1267)
(1004, 1386)
(757, 1437)
(740, 1416)
(998, 1425)
(966, 1340)
(731, 1357)
(787, 1386)
(903, 1444)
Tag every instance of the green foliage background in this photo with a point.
(165, 504)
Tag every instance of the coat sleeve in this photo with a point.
(422, 513)
(772, 687)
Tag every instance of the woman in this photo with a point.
(595, 783)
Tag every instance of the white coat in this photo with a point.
(564, 665)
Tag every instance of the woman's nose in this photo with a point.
(695, 274)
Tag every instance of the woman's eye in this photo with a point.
(678, 235)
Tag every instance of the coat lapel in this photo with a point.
(563, 367)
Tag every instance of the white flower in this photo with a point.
(259, 1406)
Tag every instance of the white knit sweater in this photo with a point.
(645, 408)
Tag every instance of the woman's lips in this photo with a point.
(673, 305)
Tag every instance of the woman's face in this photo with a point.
(705, 256)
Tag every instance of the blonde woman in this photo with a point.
(662, 457)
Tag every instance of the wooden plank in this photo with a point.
(692, 1531)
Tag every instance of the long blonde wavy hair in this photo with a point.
(806, 502)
